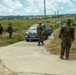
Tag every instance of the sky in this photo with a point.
(36, 7)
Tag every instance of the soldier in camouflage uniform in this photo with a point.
(39, 33)
(1, 29)
(67, 37)
(10, 30)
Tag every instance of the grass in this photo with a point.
(19, 29)
(55, 45)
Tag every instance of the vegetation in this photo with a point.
(55, 45)
(20, 26)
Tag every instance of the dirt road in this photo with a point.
(33, 44)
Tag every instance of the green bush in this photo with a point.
(74, 24)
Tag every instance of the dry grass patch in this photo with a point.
(54, 46)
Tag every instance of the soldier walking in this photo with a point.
(67, 37)
(39, 33)
(10, 30)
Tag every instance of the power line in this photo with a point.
(24, 4)
(8, 7)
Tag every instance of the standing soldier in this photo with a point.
(67, 37)
(10, 30)
(1, 29)
(39, 33)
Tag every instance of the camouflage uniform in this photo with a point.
(10, 30)
(1, 29)
(67, 36)
(39, 33)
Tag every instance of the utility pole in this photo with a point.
(57, 15)
(45, 11)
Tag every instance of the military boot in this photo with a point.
(61, 57)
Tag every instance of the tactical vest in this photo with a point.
(39, 28)
(67, 31)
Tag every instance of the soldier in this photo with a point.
(10, 30)
(1, 29)
(39, 33)
(67, 37)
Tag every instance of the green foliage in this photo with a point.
(15, 38)
(18, 25)
(74, 23)
(19, 28)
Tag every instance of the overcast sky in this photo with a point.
(36, 7)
